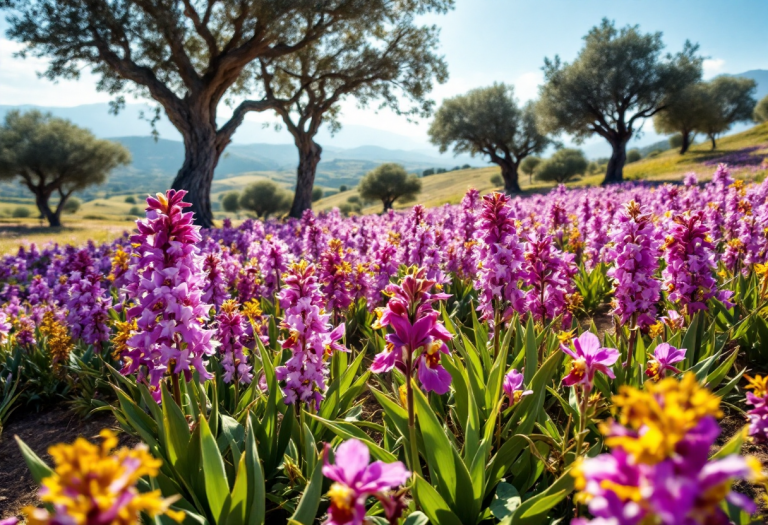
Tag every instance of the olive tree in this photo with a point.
(619, 79)
(761, 110)
(562, 166)
(683, 115)
(52, 156)
(391, 59)
(264, 198)
(388, 183)
(231, 202)
(189, 56)
(728, 100)
(489, 121)
(528, 166)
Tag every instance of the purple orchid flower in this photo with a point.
(513, 387)
(589, 357)
(355, 480)
(664, 356)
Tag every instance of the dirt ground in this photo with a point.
(40, 431)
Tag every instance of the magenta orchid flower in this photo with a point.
(355, 480)
(664, 356)
(589, 357)
(513, 387)
(427, 335)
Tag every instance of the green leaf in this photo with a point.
(732, 446)
(239, 500)
(531, 352)
(216, 483)
(176, 431)
(445, 465)
(505, 501)
(397, 413)
(534, 510)
(434, 506)
(347, 430)
(256, 489)
(37, 466)
(306, 510)
(416, 518)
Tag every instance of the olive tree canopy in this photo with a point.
(684, 114)
(490, 122)
(393, 60)
(761, 110)
(190, 55)
(53, 156)
(619, 79)
(729, 100)
(388, 183)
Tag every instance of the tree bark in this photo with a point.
(509, 174)
(713, 141)
(615, 171)
(53, 217)
(201, 156)
(686, 142)
(309, 157)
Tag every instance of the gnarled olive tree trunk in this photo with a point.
(309, 157)
(615, 171)
(510, 176)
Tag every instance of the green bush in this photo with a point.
(231, 202)
(130, 199)
(562, 166)
(496, 180)
(317, 194)
(633, 155)
(72, 205)
(21, 212)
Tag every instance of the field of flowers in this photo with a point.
(564, 358)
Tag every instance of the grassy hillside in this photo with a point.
(748, 147)
(670, 165)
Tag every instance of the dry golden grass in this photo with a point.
(17, 232)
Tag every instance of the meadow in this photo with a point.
(585, 355)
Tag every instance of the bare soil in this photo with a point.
(39, 431)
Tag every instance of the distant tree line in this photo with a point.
(620, 78)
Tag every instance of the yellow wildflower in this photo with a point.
(97, 484)
(665, 412)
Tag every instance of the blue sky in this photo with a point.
(495, 40)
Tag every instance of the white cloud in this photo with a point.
(713, 67)
(21, 85)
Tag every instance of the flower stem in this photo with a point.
(415, 465)
(176, 388)
(582, 421)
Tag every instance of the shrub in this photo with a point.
(130, 199)
(135, 210)
(496, 180)
(21, 212)
(231, 202)
(562, 166)
(676, 141)
(72, 205)
(633, 155)
(343, 188)
(317, 194)
(265, 198)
